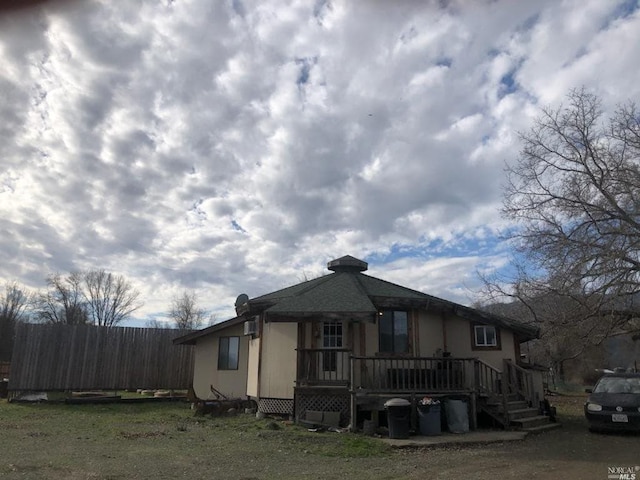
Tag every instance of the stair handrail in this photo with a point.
(523, 388)
(496, 386)
(484, 371)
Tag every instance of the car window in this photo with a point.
(618, 385)
(634, 383)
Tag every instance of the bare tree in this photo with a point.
(185, 313)
(155, 323)
(212, 319)
(110, 298)
(13, 303)
(574, 194)
(567, 326)
(63, 301)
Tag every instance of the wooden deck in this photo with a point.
(380, 374)
(370, 381)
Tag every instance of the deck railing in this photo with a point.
(323, 366)
(518, 381)
(417, 374)
(384, 374)
(487, 379)
(338, 367)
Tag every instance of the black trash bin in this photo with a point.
(429, 419)
(398, 417)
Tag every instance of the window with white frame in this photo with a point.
(485, 336)
(332, 335)
(331, 338)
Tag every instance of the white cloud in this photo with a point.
(236, 147)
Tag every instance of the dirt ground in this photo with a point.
(167, 441)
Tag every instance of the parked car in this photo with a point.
(614, 403)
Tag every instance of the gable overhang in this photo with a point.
(193, 337)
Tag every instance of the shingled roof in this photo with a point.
(349, 294)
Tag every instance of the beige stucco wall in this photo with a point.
(429, 333)
(279, 359)
(253, 366)
(428, 338)
(232, 383)
(459, 343)
(371, 338)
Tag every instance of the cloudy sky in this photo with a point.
(237, 146)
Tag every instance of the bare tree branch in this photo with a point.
(574, 194)
(63, 301)
(110, 298)
(185, 313)
(13, 304)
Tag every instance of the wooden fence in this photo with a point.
(81, 357)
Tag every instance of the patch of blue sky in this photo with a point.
(508, 84)
(238, 7)
(485, 245)
(318, 8)
(529, 23)
(494, 52)
(236, 226)
(305, 65)
(626, 8)
(444, 62)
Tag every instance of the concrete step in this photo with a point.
(523, 413)
(529, 422)
(498, 399)
(542, 428)
(511, 406)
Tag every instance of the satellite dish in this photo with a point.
(241, 304)
(242, 299)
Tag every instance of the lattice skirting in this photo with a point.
(324, 402)
(282, 406)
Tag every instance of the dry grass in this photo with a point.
(167, 441)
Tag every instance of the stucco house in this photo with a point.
(346, 342)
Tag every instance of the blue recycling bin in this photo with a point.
(429, 419)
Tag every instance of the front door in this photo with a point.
(334, 365)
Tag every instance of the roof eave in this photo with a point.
(309, 316)
(191, 338)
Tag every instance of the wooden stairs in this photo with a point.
(520, 414)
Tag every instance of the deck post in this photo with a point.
(505, 392)
(353, 407)
(474, 412)
(476, 375)
(415, 426)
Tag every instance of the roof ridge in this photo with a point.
(316, 282)
(398, 285)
